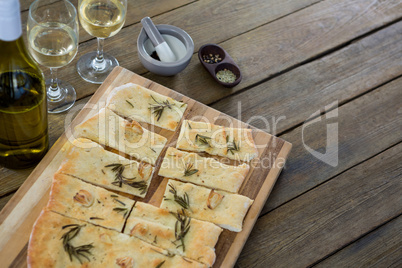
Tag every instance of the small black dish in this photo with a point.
(217, 59)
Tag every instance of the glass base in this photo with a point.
(95, 72)
(60, 102)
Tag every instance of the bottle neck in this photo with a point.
(10, 20)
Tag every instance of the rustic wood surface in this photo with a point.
(297, 58)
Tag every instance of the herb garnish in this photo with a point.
(188, 170)
(233, 146)
(160, 265)
(96, 218)
(187, 260)
(117, 200)
(183, 201)
(121, 210)
(202, 139)
(120, 179)
(159, 107)
(182, 227)
(79, 251)
(130, 103)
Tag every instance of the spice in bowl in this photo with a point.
(210, 58)
(226, 76)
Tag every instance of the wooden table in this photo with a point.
(325, 76)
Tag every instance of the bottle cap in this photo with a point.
(10, 20)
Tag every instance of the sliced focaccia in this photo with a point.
(89, 162)
(77, 199)
(159, 227)
(190, 167)
(58, 241)
(222, 208)
(107, 128)
(202, 137)
(143, 105)
(240, 144)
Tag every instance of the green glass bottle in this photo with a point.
(23, 113)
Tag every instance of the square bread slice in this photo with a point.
(89, 162)
(222, 208)
(158, 227)
(61, 242)
(202, 137)
(143, 105)
(240, 144)
(77, 199)
(208, 172)
(107, 128)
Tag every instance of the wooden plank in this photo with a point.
(364, 128)
(380, 248)
(339, 76)
(20, 213)
(328, 217)
(200, 25)
(286, 43)
(136, 10)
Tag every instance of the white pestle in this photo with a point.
(162, 48)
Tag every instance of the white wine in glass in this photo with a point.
(101, 19)
(53, 42)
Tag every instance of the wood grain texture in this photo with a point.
(291, 98)
(380, 248)
(333, 214)
(364, 130)
(286, 43)
(20, 213)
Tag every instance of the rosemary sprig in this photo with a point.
(233, 146)
(120, 179)
(182, 227)
(188, 170)
(78, 252)
(202, 139)
(121, 210)
(160, 265)
(130, 103)
(183, 201)
(158, 108)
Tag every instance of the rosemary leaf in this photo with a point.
(95, 218)
(130, 103)
(77, 252)
(160, 265)
(233, 146)
(188, 171)
(117, 200)
(158, 108)
(202, 139)
(121, 210)
(182, 227)
(183, 201)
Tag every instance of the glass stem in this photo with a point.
(99, 62)
(53, 91)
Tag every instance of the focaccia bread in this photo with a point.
(77, 199)
(222, 208)
(89, 162)
(202, 137)
(190, 167)
(55, 238)
(240, 144)
(107, 128)
(158, 227)
(143, 105)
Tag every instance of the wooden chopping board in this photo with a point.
(19, 215)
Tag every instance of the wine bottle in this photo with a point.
(23, 113)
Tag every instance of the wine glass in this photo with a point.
(53, 42)
(102, 19)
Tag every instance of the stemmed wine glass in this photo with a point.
(53, 42)
(102, 19)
